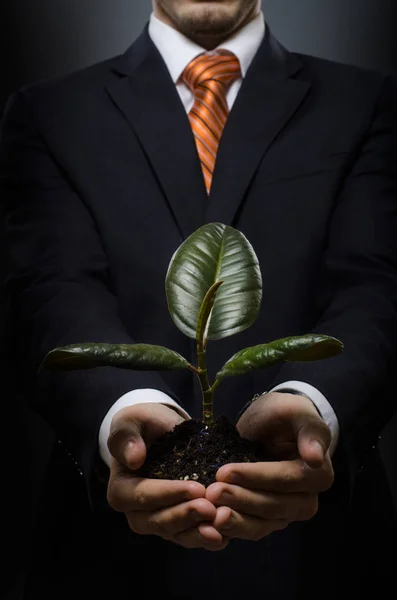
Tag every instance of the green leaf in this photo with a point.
(214, 253)
(142, 357)
(205, 311)
(299, 348)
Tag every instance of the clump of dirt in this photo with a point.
(194, 451)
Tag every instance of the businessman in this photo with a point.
(207, 117)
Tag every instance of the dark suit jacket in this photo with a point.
(102, 182)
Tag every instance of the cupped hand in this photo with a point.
(174, 510)
(256, 499)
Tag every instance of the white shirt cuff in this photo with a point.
(321, 403)
(129, 399)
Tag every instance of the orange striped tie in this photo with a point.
(209, 77)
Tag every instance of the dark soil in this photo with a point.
(194, 451)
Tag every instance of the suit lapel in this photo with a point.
(268, 99)
(146, 95)
(144, 92)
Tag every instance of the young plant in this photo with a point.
(214, 290)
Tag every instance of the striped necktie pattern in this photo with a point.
(209, 78)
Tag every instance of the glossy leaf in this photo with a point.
(142, 357)
(300, 348)
(213, 253)
(205, 311)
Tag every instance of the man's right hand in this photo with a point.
(174, 510)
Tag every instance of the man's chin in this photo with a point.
(211, 21)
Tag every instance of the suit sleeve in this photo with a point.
(57, 288)
(356, 296)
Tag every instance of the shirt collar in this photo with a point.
(178, 51)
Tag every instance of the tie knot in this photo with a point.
(223, 68)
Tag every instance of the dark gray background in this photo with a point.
(47, 38)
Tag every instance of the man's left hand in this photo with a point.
(255, 499)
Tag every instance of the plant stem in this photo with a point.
(208, 407)
(202, 340)
(208, 394)
(215, 385)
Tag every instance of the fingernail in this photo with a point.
(197, 517)
(206, 541)
(232, 478)
(317, 447)
(227, 526)
(129, 452)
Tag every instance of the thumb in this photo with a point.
(126, 444)
(314, 440)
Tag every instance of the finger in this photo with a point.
(244, 527)
(313, 439)
(125, 442)
(134, 426)
(217, 547)
(128, 493)
(210, 534)
(263, 505)
(194, 538)
(170, 521)
(284, 476)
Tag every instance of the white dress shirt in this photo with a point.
(177, 52)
